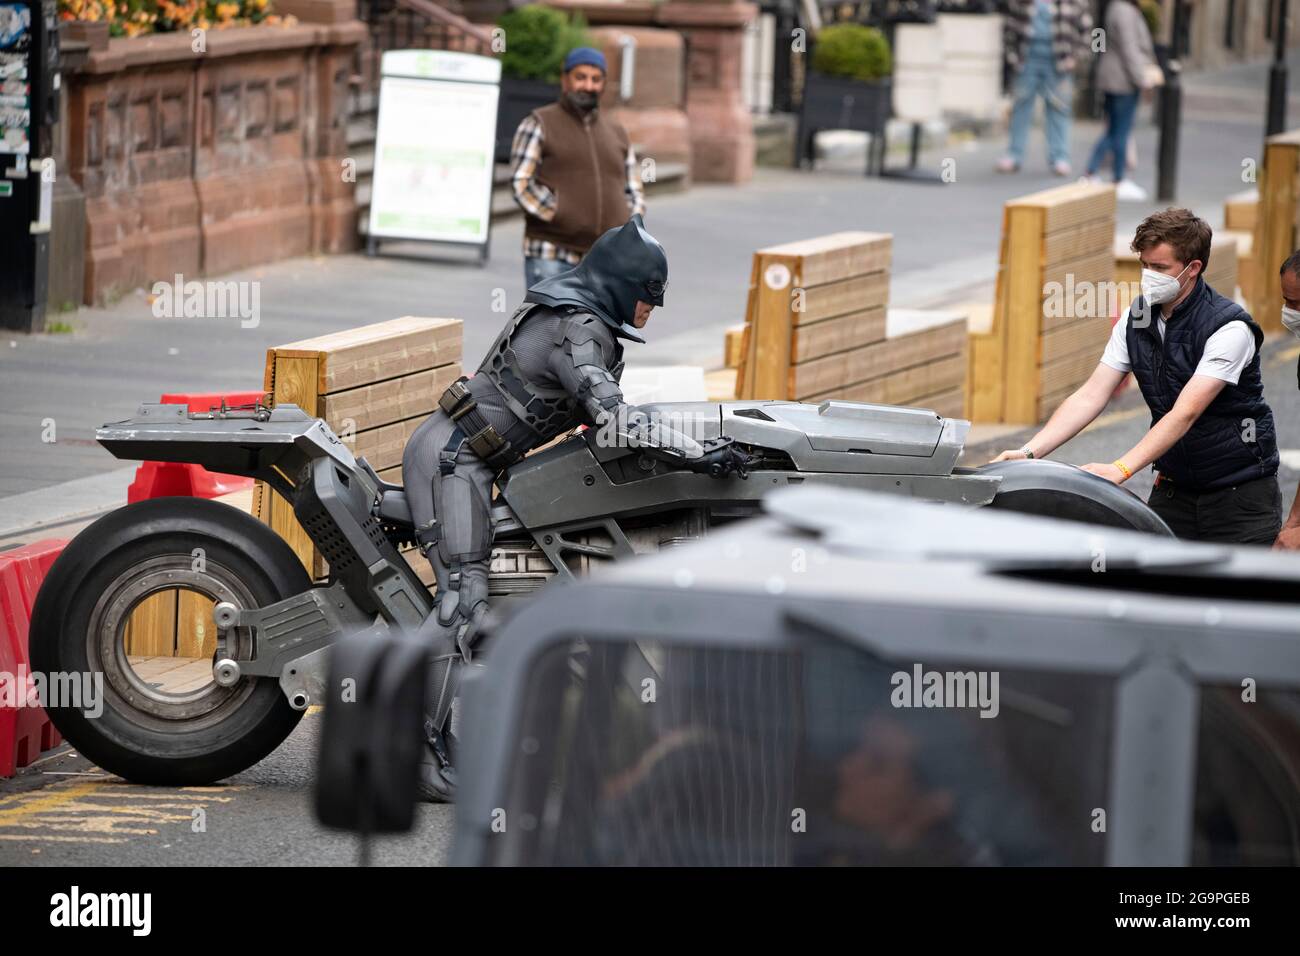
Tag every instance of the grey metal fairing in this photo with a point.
(271, 445)
(871, 447)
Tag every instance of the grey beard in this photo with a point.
(583, 100)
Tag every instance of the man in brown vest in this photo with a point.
(575, 174)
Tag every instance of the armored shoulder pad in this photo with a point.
(580, 328)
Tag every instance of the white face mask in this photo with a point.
(1291, 319)
(1158, 288)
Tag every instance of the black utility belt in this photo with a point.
(474, 429)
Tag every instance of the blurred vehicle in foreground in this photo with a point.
(855, 679)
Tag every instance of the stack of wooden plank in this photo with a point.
(1276, 218)
(1051, 314)
(1240, 217)
(1222, 273)
(815, 308)
(1240, 211)
(373, 385)
(172, 623)
(921, 362)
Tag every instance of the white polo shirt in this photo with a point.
(1227, 351)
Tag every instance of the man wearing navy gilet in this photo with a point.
(1195, 357)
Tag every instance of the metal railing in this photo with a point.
(415, 24)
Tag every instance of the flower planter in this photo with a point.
(93, 34)
(836, 102)
(518, 99)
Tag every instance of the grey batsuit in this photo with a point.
(555, 365)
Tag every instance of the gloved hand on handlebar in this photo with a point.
(722, 461)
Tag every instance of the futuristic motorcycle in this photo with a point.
(216, 703)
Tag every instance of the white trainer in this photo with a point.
(1129, 191)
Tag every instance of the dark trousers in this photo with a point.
(1248, 513)
(1120, 110)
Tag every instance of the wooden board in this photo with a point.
(1275, 226)
(731, 352)
(1082, 336)
(383, 446)
(1064, 207)
(838, 334)
(151, 628)
(844, 297)
(906, 386)
(373, 385)
(833, 372)
(1240, 211)
(720, 384)
(172, 623)
(1076, 242)
(1221, 273)
(837, 256)
(372, 353)
(808, 301)
(369, 406)
(196, 632)
(1053, 300)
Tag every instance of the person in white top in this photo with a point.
(1212, 436)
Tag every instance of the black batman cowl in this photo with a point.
(624, 265)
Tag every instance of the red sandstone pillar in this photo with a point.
(722, 134)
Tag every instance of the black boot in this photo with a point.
(437, 775)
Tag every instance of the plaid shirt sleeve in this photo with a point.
(526, 153)
(635, 189)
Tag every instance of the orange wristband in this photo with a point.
(1123, 467)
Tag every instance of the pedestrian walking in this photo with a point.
(1127, 69)
(1043, 41)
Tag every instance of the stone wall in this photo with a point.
(204, 162)
(655, 116)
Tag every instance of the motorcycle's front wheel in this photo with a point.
(125, 615)
(1057, 490)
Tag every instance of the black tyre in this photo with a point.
(1057, 490)
(204, 732)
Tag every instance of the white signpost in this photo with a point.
(434, 144)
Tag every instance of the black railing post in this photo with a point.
(1171, 112)
(1277, 77)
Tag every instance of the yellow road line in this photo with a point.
(50, 801)
(54, 838)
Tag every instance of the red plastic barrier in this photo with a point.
(24, 731)
(159, 479)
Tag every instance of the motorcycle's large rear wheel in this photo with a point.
(130, 599)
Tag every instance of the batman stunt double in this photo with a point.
(555, 365)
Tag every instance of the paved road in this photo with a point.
(64, 811)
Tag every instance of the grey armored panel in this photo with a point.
(774, 650)
(833, 436)
(238, 442)
(851, 436)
